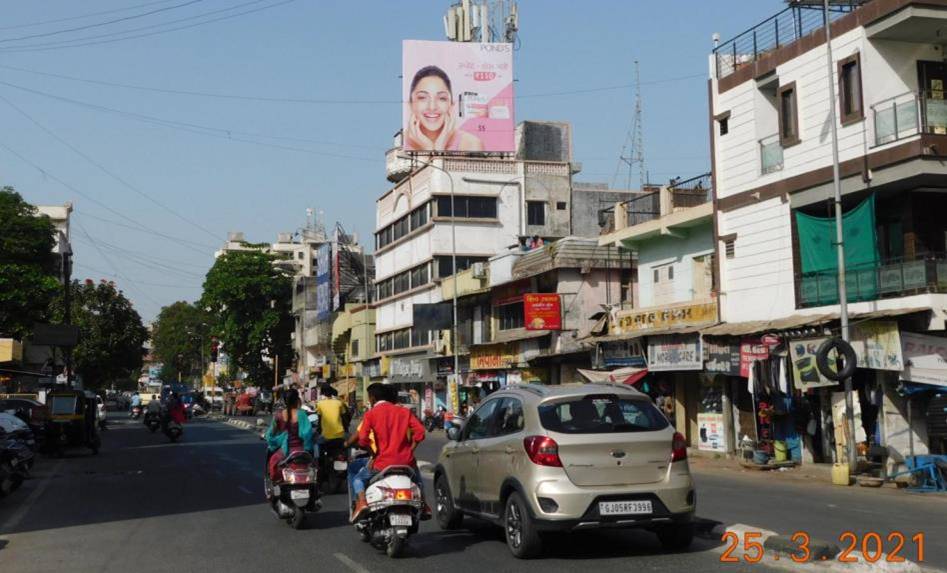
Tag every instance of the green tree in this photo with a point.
(250, 299)
(28, 267)
(180, 339)
(111, 334)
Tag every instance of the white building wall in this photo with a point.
(679, 253)
(398, 313)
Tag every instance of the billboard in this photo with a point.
(542, 312)
(323, 286)
(458, 97)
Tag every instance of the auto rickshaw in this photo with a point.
(72, 421)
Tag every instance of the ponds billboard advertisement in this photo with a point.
(458, 97)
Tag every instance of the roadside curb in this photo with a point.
(779, 549)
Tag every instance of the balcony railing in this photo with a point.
(908, 114)
(771, 154)
(797, 21)
(690, 192)
(894, 278)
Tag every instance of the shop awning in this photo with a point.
(501, 339)
(799, 321)
(620, 376)
(592, 340)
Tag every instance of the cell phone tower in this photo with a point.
(482, 21)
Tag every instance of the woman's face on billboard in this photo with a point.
(431, 103)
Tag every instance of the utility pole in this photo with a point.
(67, 301)
(839, 236)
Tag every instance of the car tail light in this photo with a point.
(678, 447)
(542, 451)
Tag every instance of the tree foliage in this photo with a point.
(28, 266)
(180, 339)
(251, 301)
(111, 334)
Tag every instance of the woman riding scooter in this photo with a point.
(290, 431)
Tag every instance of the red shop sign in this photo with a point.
(542, 312)
(751, 349)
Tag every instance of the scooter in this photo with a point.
(136, 412)
(152, 421)
(394, 510)
(434, 421)
(297, 494)
(334, 465)
(173, 431)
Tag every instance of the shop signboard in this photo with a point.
(336, 278)
(877, 345)
(542, 312)
(643, 320)
(721, 357)
(429, 399)
(713, 438)
(804, 370)
(674, 352)
(751, 349)
(453, 394)
(494, 356)
(623, 353)
(925, 358)
(407, 370)
(458, 97)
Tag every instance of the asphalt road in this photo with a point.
(144, 505)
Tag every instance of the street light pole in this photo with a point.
(839, 236)
(453, 257)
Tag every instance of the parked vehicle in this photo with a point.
(16, 459)
(32, 412)
(72, 421)
(572, 457)
(14, 428)
(296, 495)
(394, 510)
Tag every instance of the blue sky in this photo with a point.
(329, 156)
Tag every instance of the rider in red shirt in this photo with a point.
(397, 432)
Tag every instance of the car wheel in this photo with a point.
(448, 516)
(676, 537)
(521, 535)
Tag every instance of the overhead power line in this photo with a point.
(82, 16)
(100, 24)
(46, 173)
(145, 283)
(146, 230)
(41, 47)
(104, 169)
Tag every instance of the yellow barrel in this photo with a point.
(840, 475)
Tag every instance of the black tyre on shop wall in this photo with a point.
(845, 350)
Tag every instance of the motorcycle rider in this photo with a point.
(290, 431)
(397, 432)
(333, 414)
(136, 402)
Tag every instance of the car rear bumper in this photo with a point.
(626, 522)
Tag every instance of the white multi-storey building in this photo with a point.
(497, 203)
(772, 154)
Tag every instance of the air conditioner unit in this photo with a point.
(479, 271)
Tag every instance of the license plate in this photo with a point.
(624, 507)
(299, 494)
(340, 466)
(402, 519)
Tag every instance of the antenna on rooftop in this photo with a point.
(635, 139)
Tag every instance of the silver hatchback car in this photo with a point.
(538, 458)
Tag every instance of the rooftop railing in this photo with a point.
(800, 19)
(691, 192)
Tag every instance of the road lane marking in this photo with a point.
(245, 489)
(20, 513)
(347, 561)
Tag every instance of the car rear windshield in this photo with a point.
(601, 414)
(62, 405)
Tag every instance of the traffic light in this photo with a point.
(214, 347)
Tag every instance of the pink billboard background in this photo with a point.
(473, 114)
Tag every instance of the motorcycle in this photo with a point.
(136, 412)
(297, 494)
(394, 510)
(153, 421)
(173, 431)
(16, 460)
(433, 421)
(334, 465)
